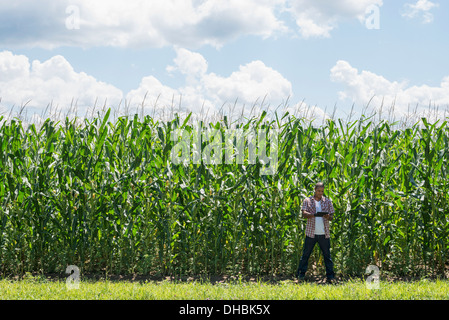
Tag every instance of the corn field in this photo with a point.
(105, 196)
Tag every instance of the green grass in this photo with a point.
(36, 289)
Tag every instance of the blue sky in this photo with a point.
(213, 52)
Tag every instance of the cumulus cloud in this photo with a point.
(188, 23)
(421, 9)
(361, 87)
(190, 64)
(13, 67)
(317, 18)
(137, 23)
(37, 84)
(208, 92)
(251, 82)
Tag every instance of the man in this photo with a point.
(317, 230)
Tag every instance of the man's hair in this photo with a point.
(319, 185)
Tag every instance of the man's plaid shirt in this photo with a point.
(309, 206)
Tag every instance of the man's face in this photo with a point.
(319, 192)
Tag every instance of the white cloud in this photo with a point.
(306, 112)
(183, 23)
(54, 81)
(361, 87)
(189, 63)
(317, 18)
(159, 100)
(208, 92)
(12, 67)
(253, 81)
(137, 23)
(421, 9)
(37, 84)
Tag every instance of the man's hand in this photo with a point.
(307, 215)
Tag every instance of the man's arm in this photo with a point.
(330, 216)
(304, 210)
(307, 215)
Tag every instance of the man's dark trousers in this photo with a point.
(325, 246)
